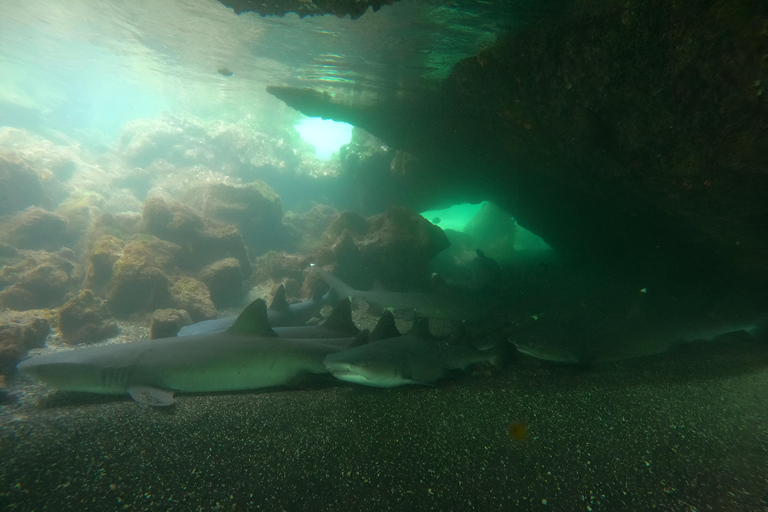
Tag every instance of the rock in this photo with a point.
(310, 226)
(254, 209)
(193, 296)
(224, 281)
(166, 323)
(38, 229)
(140, 282)
(41, 280)
(347, 220)
(86, 319)
(19, 333)
(20, 185)
(104, 252)
(203, 241)
(393, 248)
(398, 247)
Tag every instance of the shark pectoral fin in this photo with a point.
(151, 396)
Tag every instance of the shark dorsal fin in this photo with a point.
(278, 301)
(420, 328)
(253, 321)
(340, 320)
(386, 327)
(360, 339)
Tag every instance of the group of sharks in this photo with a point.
(265, 347)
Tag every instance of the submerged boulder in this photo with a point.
(394, 248)
(140, 281)
(191, 295)
(21, 332)
(40, 280)
(255, 210)
(167, 322)
(202, 241)
(224, 281)
(85, 318)
(20, 185)
(38, 229)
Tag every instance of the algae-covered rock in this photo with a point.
(40, 280)
(85, 318)
(139, 280)
(254, 209)
(202, 241)
(308, 227)
(395, 248)
(38, 229)
(20, 185)
(20, 332)
(224, 281)
(104, 252)
(167, 322)
(193, 296)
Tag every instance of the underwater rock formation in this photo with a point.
(628, 152)
(393, 248)
(104, 252)
(85, 318)
(38, 229)
(20, 186)
(140, 281)
(224, 281)
(20, 332)
(40, 280)
(191, 295)
(203, 241)
(253, 208)
(167, 322)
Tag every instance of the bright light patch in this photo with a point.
(456, 217)
(327, 136)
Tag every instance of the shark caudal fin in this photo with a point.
(342, 288)
(278, 301)
(253, 321)
(340, 320)
(385, 328)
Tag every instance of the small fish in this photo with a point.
(224, 71)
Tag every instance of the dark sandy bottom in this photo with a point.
(683, 432)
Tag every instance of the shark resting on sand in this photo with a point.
(447, 304)
(248, 355)
(413, 358)
(279, 314)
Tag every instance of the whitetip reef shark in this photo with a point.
(279, 314)
(413, 358)
(445, 304)
(248, 355)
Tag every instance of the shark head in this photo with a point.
(354, 366)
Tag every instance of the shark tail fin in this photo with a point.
(278, 301)
(385, 328)
(253, 321)
(342, 288)
(341, 319)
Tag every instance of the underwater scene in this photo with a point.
(374, 255)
